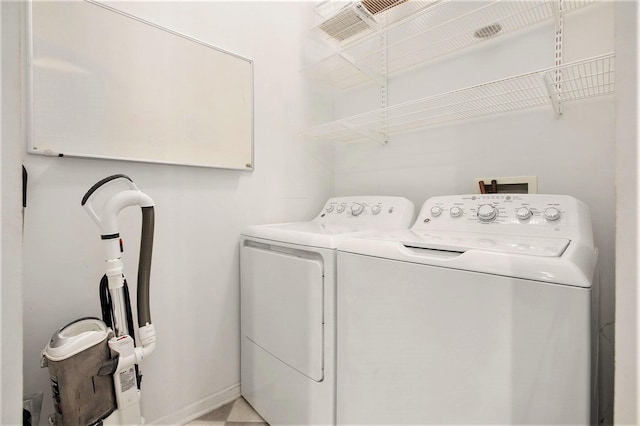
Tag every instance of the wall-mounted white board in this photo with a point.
(105, 84)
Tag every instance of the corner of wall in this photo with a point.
(10, 222)
(626, 401)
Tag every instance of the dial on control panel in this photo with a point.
(356, 209)
(523, 213)
(551, 213)
(436, 211)
(341, 208)
(487, 212)
(455, 211)
(376, 209)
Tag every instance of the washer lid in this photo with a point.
(546, 259)
(463, 241)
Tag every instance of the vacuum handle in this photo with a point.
(98, 185)
(101, 182)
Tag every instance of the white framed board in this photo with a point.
(105, 84)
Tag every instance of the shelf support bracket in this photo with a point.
(384, 89)
(378, 138)
(554, 95)
(366, 71)
(557, 89)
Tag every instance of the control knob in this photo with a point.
(376, 209)
(455, 211)
(551, 213)
(523, 213)
(341, 208)
(356, 209)
(486, 212)
(436, 211)
(330, 208)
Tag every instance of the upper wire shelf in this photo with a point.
(552, 86)
(433, 29)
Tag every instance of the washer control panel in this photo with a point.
(497, 213)
(367, 209)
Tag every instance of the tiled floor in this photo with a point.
(235, 413)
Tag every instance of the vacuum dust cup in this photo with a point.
(75, 356)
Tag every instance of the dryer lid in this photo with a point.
(312, 234)
(464, 241)
(339, 218)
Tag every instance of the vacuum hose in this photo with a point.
(144, 265)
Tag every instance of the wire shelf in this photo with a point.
(431, 31)
(552, 86)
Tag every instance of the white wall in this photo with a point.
(10, 221)
(201, 211)
(572, 155)
(199, 215)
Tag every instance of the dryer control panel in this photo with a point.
(389, 212)
(519, 214)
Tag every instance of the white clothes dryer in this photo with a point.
(288, 294)
(481, 313)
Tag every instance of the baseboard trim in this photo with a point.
(195, 410)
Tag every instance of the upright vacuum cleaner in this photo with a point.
(93, 363)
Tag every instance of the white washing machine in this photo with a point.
(481, 313)
(288, 294)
